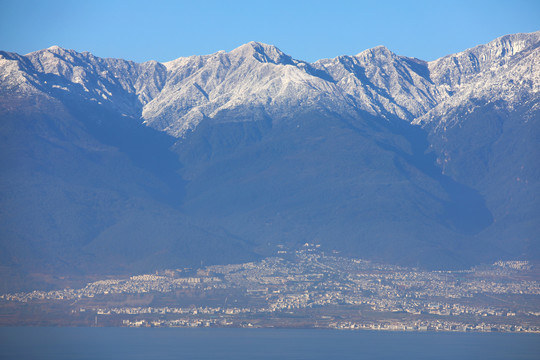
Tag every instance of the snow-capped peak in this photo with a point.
(177, 95)
(262, 52)
(379, 50)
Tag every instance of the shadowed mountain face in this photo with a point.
(88, 191)
(357, 185)
(109, 166)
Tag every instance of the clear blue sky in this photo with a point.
(307, 30)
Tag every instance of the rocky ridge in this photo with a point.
(257, 78)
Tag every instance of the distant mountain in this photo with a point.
(109, 166)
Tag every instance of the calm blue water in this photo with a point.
(130, 343)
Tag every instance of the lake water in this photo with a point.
(169, 343)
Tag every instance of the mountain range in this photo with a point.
(111, 166)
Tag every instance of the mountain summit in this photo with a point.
(113, 166)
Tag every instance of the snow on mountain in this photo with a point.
(506, 69)
(259, 76)
(57, 72)
(464, 67)
(253, 76)
(256, 80)
(383, 83)
(16, 75)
